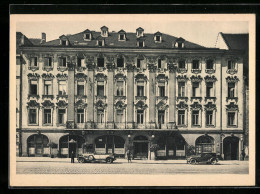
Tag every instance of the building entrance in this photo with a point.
(140, 147)
(37, 145)
(230, 148)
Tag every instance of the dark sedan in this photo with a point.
(208, 158)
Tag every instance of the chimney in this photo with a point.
(43, 40)
(22, 40)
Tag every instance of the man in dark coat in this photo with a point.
(128, 153)
(72, 157)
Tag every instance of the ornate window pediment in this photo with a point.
(172, 60)
(197, 78)
(162, 78)
(140, 77)
(232, 107)
(232, 79)
(196, 106)
(120, 76)
(62, 76)
(182, 78)
(81, 76)
(80, 104)
(210, 78)
(152, 67)
(62, 104)
(89, 59)
(162, 106)
(182, 105)
(33, 76)
(172, 67)
(100, 105)
(120, 105)
(33, 104)
(139, 56)
(101, 77)
(210, 106)
(47, 104)
(141, 105)
(151, 60)
(47, 76)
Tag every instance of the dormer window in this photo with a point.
(121, 35)
(158, 37)
(104, 31)
(63, 42)
(100, 42)
(139, 32)
(87, 36)
(179, 43)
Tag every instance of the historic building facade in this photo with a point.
(112, 91)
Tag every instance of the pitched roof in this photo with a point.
(131, 39)
(27, 42)
(35, 41)
(236, 41)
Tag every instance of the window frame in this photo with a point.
(183, 89)
(192, 65)
(99, 60)
(198, 118)
(35, 61)
(183, 117)
(59, 81)
(80, 115)
(212, 119)
(229, 92)
(30, 87)
(199, 89)
(49, 89)
(140, 117)
(36, 116)
(49, 117)
(235, 119)
(61, 61)
(58, 116)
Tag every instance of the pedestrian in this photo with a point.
(72, 157)
(128, 156)
(243, 154)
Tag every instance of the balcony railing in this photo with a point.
(196, 71)
(124, 125)
(140, 97)
(120, 97)
(62, 96)
(210, 71)
(47, 68)
(232, 98)
(47, 96)
(182, 70)
(232, 71)
(210, 98)
(182, 98)
(196, 98)
(33, 68)
(162, 97)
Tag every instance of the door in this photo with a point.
(38, 149)
(230, 148)
(140, 150)
(160, 118)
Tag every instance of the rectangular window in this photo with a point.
(80, 88)
(159, 63)
(63, 42)
(181, 89)
(162, 91)
(140, 88)
(209, 64)
(33, 87)
(157, 38)
(33, 62)
(47, 87)
(80, 116)
(181, 117)
(47, 116)
(120, 88)
(140, 116)
(61, 116)
(138, 63)
(62, 62)
(100, 43)
(141, 44)
(48, 62)
(87, 36)
(100, 89)
(209, 89)
(231, 64)
(231, 119)
(195, 89)
(100, 116)
(195, 64)
(79, 62)
(122, 36)
(119, 114)
(161, 116)
(179, 45)
(195, 117)
(120, 62)
(209, 117)
(100, 62)
(231, 90)
(181, 64)
(62, 88)
(32, 116)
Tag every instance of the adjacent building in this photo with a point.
(107, 92)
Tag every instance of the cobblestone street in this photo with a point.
(120, 166)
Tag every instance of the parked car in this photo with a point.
(108, 158)
(208, 158)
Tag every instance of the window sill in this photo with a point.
(196, 71)
(196, 126)
(36, 124)
(210, 126)
(49, 124)
(182, 126)
(232, 126)
(210, 71)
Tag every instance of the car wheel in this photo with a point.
(91, 158)
(109, 160)
(214, 162)
(81, 160)
(193, 162)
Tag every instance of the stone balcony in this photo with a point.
(33, 96)
(210, 71)
(140, 98)
(207, 98)
(232, 71)
(48, 96)
(47, 68)
(231, 99)
(196, 71)
(182, 98)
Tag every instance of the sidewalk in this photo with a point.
(67, 160)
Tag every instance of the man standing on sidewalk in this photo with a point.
(128, 153)
(72, 157)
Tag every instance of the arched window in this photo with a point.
(37, 145)
(204, 144)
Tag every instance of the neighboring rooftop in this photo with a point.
(236, 41)
(21, 39)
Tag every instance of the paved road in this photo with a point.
(136, 167)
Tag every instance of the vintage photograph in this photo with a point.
(131, 95)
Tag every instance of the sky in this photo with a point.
(200, 29)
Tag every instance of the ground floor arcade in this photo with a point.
(169, 144)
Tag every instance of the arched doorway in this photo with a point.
(37, 145)
(140, 147)
(69, 143)
(108, 144)
(230, 148)
(171, 147)
(204, 144)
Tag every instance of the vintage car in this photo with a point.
(208, 158)
(108, 158)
